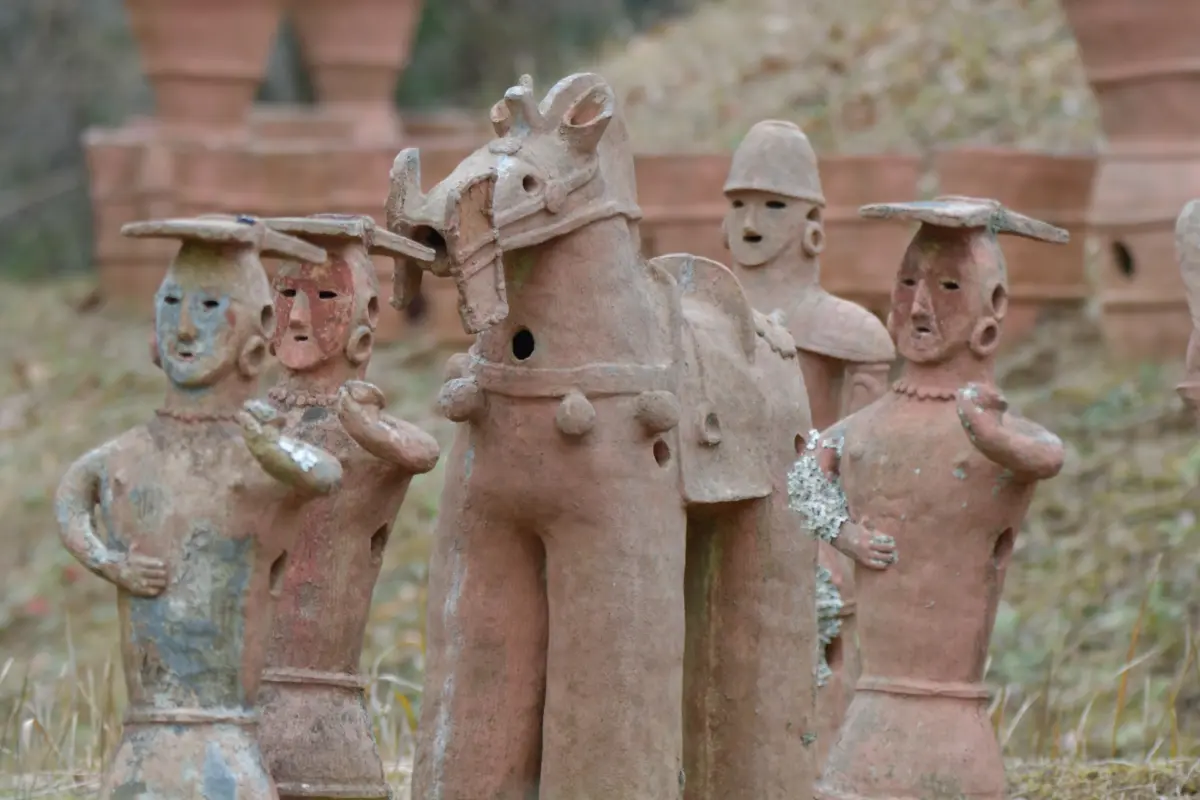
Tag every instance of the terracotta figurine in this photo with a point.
(925, 489)
(775, 233)
(618, 418)
(193, 523)
(1187, 246)
(316, 733)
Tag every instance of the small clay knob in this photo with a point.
(457, 366)
(461, 400)
(710, 428)
(658, 411)
(576, 415)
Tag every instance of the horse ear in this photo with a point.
(586, 120)
(501, 119)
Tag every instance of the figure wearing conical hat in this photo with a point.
(775, 234)
(316, 732)
(925, 489)
(197, 506)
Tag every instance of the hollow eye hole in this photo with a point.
(210, 304)
(529, 183)
(288, 292)
(776, 204)
(326, 294)
(950, 286)
(738, 204)
(909, 282)
(171, 300)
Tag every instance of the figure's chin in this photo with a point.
(922, 349)
(299, 356)
(191, 373)
(748, 256)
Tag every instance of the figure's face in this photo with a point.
(936, 301)
(314, 304)
(760, 225)
(199, 332)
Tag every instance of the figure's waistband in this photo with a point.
(191, 716)
(314, 677)
(919, 687)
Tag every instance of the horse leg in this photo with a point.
(481, 717)
(752, 642)
(614, 673)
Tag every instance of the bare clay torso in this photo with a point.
(193, 496)
(337, 553)
(909, 471)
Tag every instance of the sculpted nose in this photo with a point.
(921, 302)
(187, 328)
(300, 316)
(749, 228)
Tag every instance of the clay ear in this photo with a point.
(813, 239)
(253, 356)
(586, 120)
(501, 119)
(985, 338)
(358, 349)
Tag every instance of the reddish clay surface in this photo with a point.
(316, 733)
(621, 604)
(197, 509)
(939, 456)
(1187, 247)
(775, 233)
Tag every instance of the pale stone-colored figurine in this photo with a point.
(621, 603)
(1187, 247)
(316, 732)
(190, 515)
(774, 232)
(925, 489)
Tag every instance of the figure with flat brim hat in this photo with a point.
(925, 489)
(775, 232)
(197, 508)
(316, 731)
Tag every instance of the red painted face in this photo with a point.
(314, 306)
(936, 301)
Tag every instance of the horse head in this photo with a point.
(554, 168)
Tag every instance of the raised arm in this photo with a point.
(1025, 448)
(74, 505)
(360, 408)
(302, 466)
(815, 492)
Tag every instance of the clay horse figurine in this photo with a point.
(1187, 247)
(194, 509)
(621, 603)
(925, 489)
(316, 733)
(774, 231)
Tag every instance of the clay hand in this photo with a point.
(259, 421)
(980, 406)
(360, 401)
(137, 574)
(867, 546)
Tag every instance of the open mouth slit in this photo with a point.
(752, 238)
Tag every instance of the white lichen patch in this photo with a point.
(817, 497)
(829, 623)
(304, 456)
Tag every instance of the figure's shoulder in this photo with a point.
(828, 325)
(771, 330)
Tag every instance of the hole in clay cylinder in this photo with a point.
(662, 453)
(712, 425)
(1123, 258)
(522, 344)
(423, 234)
(278, 568)
(267, 319)
(379, 540)
(800, 444)
(417, 308)
(1003, 549)
(988, 337)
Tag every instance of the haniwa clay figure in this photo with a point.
(774, 232)
(194, 512)
(316, 733)
(617, 418)
(1187, 246)
(925, 489)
